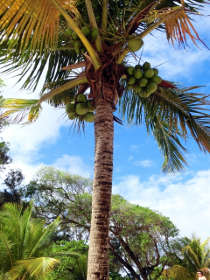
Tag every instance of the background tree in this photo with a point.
(141, 240)
(31, 38)
(24, 244)
(73, 260)
(193, 256)
(4, 149)
(11, 186)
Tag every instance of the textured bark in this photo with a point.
(98, 264)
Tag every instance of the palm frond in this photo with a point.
(22, 18)
(192, 256)
(18, 108)
(170, 114)
(178, 26)
(35, 267)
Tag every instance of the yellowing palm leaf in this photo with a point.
(20, 107)
(37, 267)
(40, 18)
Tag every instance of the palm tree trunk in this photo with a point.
(98, 262)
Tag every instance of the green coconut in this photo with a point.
(81, 108)
(94, 34)
(138, 67)
(138, 90)
(72, 115)
(81, 98)
(131, 81)
(143, 93)
(129, 87)
(89, 117)
(86, 30)
(74, 36)
(70, 108)
(135, 44)
(143, 82)
(155, 71)
(149, 73)
(138, 74)
(156, 79)
(146, 65)
(68, 32)
(151, 88)
(130, 70)
(77, 44)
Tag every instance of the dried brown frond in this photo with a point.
(179, 26)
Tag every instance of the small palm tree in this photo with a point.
(23, 244)
(195, 257)
(84, 47)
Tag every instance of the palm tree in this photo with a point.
(83, 47)
(195, 256)
(23, 244)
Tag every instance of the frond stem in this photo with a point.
(93, 23)
(72, 24)
(66, 86)
(104, 15)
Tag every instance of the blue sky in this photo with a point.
(184, 197)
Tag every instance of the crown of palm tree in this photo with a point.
(35, 40)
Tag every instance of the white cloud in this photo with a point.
(143, 163)
(182, 198)
(73, 165)
(25, 139)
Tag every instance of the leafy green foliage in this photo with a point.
(170, 114)
(24, 243)
(73, 260)
(194, 256)
(4, 148)
(137, 234)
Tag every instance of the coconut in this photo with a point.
(94, 34)
(130, 70)
(142, 93)
(135, 44)
(155, 71)
(74, 36)
(149, 73)
(131, 81)
(85, 30)
(68, 32)
(138, 90)
(89, 117)
(70, 108)
(81, 98)
(129, 87)
(77, 44)
(151, 87)
(81, 108)
(143, 82)
(138, 74)
(146, 65)
(138, 67)
(156, 79)
(72, 115)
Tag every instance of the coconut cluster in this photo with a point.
(89, 32)
(80, 108)
(143, 80)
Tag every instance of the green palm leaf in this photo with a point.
(23, 241)
(170, 114)
(35, 267)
